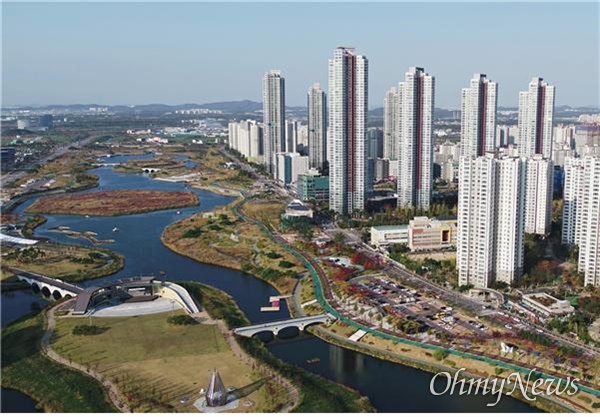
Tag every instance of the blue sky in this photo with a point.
(135, 53)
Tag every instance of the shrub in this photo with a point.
(181, 320)
(87, 330)
(273, 255)
(285, 264)
(192, 233)
(440, 355)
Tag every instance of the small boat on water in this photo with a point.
(178, 212)
(116, 229)
(87, 216)
(313, 360)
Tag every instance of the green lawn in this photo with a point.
(147, 337)
(156, 363)
(56, 388)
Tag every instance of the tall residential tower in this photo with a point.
(415, 151)
(478, 116)
(536, 112)
(317, 126)
(390, 124)
(274, 138)
(347, 109)
(491, 194)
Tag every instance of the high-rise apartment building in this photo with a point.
(538, 195)
(536, 113)
(317, 126)
(246, 137)
(291, 136)
(347, 109)
(490, 220)
(581, 214)
(478, 116)
(390, 124)
(273, 118)
(415, 151)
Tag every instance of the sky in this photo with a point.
(175, 53)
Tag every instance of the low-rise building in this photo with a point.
(313, 186)
(546, 305)
(421, 234)
(297, 208)
(389, 235)
(425, 234)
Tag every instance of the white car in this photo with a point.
(508, 326)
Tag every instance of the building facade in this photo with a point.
(246, 137)
(347, 109)
(313, 186)
(490, 220)
(536, 114)
(317, 126)
(273, 118)
(539, 187)
(415, 152)
(478, 116)
(390, 124)
(581, 214)
(290, 166)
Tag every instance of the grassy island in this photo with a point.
(114, 203)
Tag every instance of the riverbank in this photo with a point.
(224, 239)
(318, 394)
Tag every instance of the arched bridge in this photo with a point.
(276, 326)
(150, 170)
(48, 286)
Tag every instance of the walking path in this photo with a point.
(112, 390)
(292, 390)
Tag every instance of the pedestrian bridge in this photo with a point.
(276, 326)
(48, 286)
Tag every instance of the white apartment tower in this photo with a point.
(317, 126)
(490, 220)
(581, 214)
(538, 195)
(415, 147)
(347, 109)
(574, 174)
(536, 112)
(478, 116)
(246, 137)
(390, 124)
(273, 118)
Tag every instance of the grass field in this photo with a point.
(156, 363)
(54, 387)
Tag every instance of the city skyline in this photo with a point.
(521, 36)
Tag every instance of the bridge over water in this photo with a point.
(48, 286)
(276, 326)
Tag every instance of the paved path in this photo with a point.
(113, 392)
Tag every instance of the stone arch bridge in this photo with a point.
(276, 326)
(48, 286)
